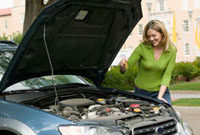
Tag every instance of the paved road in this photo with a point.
(191, 115)
(184, 94)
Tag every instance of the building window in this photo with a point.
(196, 4)
(6, 24)
(187, 49)
(161, 5)
(140, 29)
(185, 26)
(185, 4)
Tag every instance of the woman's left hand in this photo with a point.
(162, 99)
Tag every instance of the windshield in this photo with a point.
(44, 81)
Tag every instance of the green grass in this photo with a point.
(195, 86)
(187, 102)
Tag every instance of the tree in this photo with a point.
(33, 8)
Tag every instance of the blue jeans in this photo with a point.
(154, 95)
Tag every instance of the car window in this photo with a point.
(7, 50)
(5, 57)
(36, 83)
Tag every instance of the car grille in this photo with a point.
(163, 128)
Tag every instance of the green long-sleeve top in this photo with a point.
(152, 73)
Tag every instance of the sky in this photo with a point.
(6, 3)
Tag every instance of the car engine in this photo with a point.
(131, 115)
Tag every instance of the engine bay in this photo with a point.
(79, 109)
(129, 113)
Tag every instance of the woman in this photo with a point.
(156, 57)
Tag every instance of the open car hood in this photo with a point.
(81, 37)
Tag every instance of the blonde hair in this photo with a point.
(159, 27)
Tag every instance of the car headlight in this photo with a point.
(179, 116)
(88, 130)
(183, 128)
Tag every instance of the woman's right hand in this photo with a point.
(123, 65)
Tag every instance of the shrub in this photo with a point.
(17, 37)
(130, 76)
(115, 79)
(4, 37)
(185, 69)
(175, 74)
(197, 65)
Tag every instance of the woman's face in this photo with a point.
(154, 37)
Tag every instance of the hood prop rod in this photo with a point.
(51, 67)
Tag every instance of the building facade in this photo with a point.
(12, 19)
(5, 19)
(185, 13)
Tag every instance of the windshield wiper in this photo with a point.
(70, 85)
(20, 91)
(48, 88)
